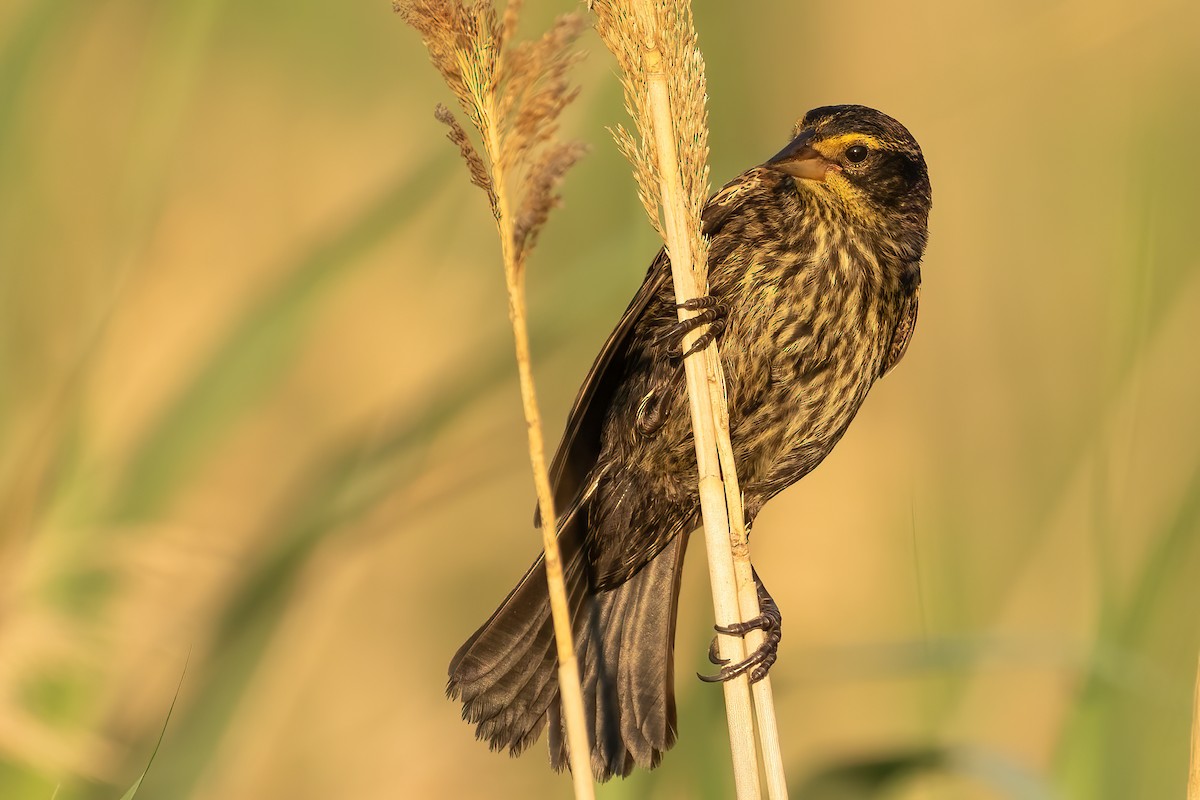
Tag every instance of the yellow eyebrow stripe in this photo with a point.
(835, 143)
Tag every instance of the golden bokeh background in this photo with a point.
(262, 438)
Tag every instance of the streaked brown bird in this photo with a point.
(814, 274)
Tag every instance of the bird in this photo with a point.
(813, 284)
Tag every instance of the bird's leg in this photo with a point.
(758, 663)
(712, 313)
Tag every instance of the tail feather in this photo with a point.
(628, 669)
(648, 683)
(510, 710)
(504, 673)
(507, 673)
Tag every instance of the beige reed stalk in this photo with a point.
(568, 668)
(663, 74)
(513, 96)
(747, 591)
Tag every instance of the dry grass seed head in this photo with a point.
(513, 95)
(475, 166)
(536, 90)
(445, 30)
(541, 192)
(630, 31)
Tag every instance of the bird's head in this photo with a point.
(866, 162)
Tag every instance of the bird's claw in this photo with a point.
(712, 312)
(758, 663)
(714, 656)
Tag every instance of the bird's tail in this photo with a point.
(506, 674)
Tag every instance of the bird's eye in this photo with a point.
(856, 154)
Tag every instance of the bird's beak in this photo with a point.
(800, 160)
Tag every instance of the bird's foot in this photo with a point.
(758, 663)
(712, 313)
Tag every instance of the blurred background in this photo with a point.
(261, 439)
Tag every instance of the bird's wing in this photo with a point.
(580, 445)
(904, 330)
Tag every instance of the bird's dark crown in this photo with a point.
(880, 172)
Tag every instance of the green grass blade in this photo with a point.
(18, 62)
(1127, 685)
(879, 775)
(133, 790)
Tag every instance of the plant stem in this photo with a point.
(677, 228)
(568, 668)
(747, 591)
(1193, 784)
(570, 693)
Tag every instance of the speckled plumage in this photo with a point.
(819, 280)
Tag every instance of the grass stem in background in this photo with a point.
(1193, 784)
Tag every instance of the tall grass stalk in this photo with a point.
(513, 97)
(1193, 784)
(654, 42)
